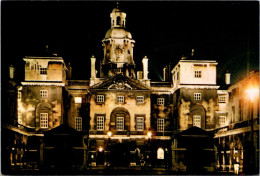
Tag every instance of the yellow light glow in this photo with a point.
(252, 93)
(149, 134)
(100, 149)
(109, 134)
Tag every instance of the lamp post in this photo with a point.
(109, 134)
(252, 93)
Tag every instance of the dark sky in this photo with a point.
(164, 31)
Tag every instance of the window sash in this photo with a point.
(100, 98)
(222, 120)
(19, 119)
(19, 96)
(100, 123)
(120, 123)
(197, 96)
(197, 74)
(44, 120)
(222, 99)
(197, 121)
(160, 101)
(160, 125)
(43, 71)
(120, 99)
(140, 99)
(139, 123)
(78, 123)
(44, 93)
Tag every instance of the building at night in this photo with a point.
(186, 123)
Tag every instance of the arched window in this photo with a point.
(118, 20)
(160, 153)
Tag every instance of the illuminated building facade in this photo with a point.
(122, 118)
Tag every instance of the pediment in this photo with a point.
(120, 82)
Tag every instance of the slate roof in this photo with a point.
(63, 130)
(120, 82)
(195, 132)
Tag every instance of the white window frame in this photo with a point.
(160, 125)
(44, 93)
(100, 98)
(160, 101)
(197, 121)
(78, 100)
(20, 118)
(19, 96)
(197, 96)
(43, 71)
(139, 123)
(44, 118)
(139, 99)
(197, 74)
(78, 123)
(222, 120)
(222, 99)
(120, 99)
(100, 123)
(119, 123)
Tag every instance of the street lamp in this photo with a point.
(149, 134)
(252, 93)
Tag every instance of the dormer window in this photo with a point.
(160, 101)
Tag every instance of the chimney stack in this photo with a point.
(145, 68)
(93, 69)
(69, 73)
(11, 72)
(227, 78)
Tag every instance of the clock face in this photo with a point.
(118, 50)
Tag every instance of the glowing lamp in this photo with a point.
(100, 149)
(109, 134)
(236, 168)
(252, 93)
(149, 134)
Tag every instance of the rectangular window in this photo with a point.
(100, 123)
(222, 98)
(44, 120)
(160, 125)
(19, 96)
(197, 74)
(197, 96)
(20, 120)
(222, 120)
(78, 100)
(78, 123)
(100, 98)
(197, 121)
(43, 71)
(120, 99)
(139, 123)
(44, 93)
(140, 99)
(120, 123)
(160, 101)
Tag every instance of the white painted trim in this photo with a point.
(198, 86)
(93, 136)
(42, 84)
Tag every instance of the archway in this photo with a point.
(120, 120)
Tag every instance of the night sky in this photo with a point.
(163, 31)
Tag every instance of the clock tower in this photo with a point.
(118, 47)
